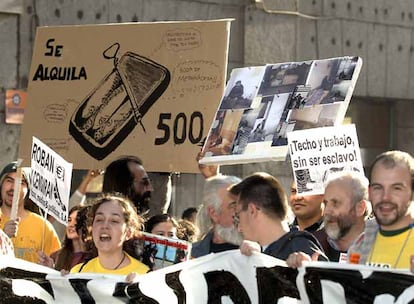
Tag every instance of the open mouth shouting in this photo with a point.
(104, 237)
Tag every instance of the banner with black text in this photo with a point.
(227, 277)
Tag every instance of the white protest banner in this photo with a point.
(98, 92)
(227, 277)
(315, 153)
(50, 181)
(261, 105)
(322, 282)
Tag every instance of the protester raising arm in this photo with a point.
(79, 196)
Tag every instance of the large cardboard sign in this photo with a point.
(50, 181)
(261, 105)
(147, 89)
(315, 153)
(226, 277)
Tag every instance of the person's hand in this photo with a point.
(412, 263)
(91, 175)
(206, 170)
(248, 247)
(130, 277)
(45, 260)
(296, 259)
(11, 227)
(64, 272)
(87, 179)
(94, 173)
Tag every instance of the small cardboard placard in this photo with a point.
(50, 180)
(165, 251)
(316, 153)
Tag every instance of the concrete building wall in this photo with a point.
(264, 31)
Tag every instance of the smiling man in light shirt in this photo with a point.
(389, 242)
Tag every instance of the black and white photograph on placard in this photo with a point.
(241, 88)
(283, 78)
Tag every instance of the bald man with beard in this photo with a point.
(346, 209)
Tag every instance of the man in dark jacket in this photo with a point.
(261, 217)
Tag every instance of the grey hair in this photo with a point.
(211, 198)
(358, 184)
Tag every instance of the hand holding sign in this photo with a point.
(11, 227)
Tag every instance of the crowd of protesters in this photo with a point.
(357, 220)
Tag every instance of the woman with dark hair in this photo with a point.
(157, 255)
(73, 249)
(162, 224)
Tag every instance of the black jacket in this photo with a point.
(295, 241)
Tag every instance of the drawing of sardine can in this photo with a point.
(117, 104)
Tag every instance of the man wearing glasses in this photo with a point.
(261, 217)
(127, 176)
